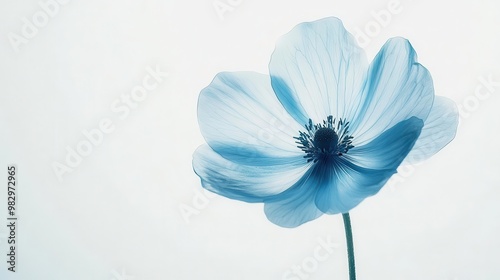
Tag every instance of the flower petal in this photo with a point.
(389, 149)
(397, 88)
(317, 70)
(350, 184)
(439, 129)
(363, 171)
(240, 116)
(250, 183)
(296, 205)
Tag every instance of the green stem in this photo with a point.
(350, 246)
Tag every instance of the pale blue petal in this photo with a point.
(349, 185)
(250, 183)
(439, 129)
(389, 149)
(317, 70)
(362, 171)
(241, 118)
(296, 205)
(397, 88)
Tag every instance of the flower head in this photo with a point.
(324, 130)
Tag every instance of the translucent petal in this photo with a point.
(296, 205)
(396, 89)
(349, 185)
(250, 183)
(240, 116)
(439, 129)
(389, 149)
(363, 171)
(317, 70)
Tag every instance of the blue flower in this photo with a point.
(324, 130)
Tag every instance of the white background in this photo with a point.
(117, 214)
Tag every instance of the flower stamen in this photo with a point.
(325, 140)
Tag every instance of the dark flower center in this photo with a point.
(325, 141)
